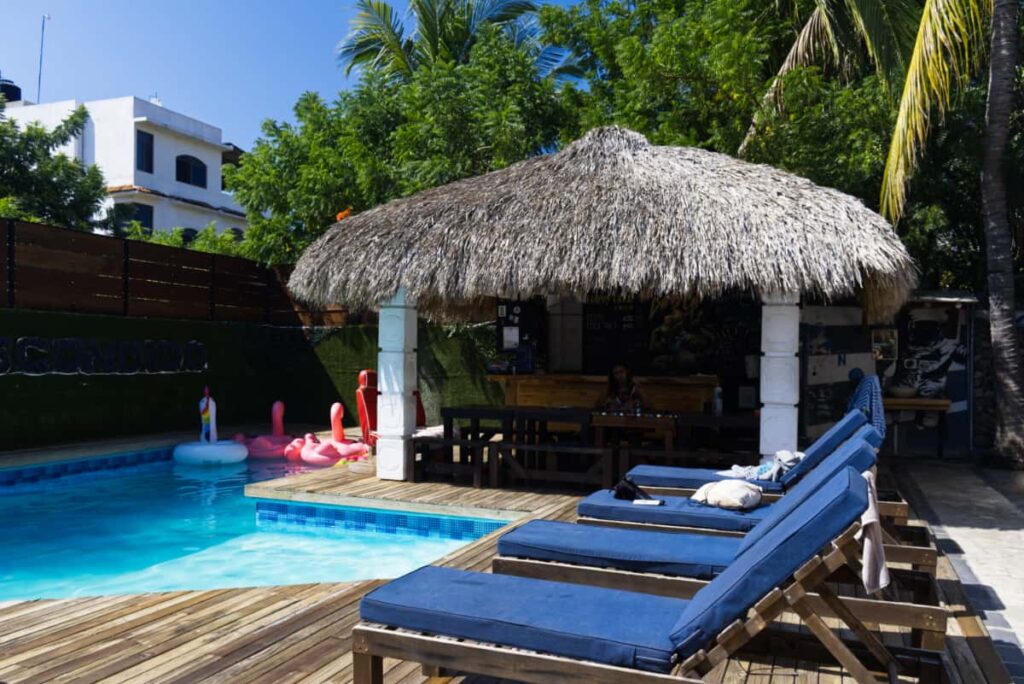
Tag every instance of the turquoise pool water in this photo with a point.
(161, 526)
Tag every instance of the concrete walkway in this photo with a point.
(978, 519)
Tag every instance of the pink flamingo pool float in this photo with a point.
(311, 450)
(272, 445)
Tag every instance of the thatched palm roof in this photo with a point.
(611, 213)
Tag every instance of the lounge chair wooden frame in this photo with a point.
(371, 643)
(921, 558)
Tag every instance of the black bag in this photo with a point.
(627, 490)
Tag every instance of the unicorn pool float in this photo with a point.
(272, 445)
(208, 450)
(314, 451)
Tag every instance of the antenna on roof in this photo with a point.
(42, 38)
(155, 99)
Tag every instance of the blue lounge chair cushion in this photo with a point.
(670, 553)
(853, 454)
(823, 446)
(577, 621)
(687, 478)
(869, 434)
(680, 511)
(676, 511)
(692, 478)
(770, 561)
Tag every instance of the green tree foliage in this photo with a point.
(443, 32)
(682, 72)
(37, 183)
(206, 240)
(388, 138)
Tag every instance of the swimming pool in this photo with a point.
(161, 526)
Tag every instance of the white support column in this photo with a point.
(396, 382)
(780, 372)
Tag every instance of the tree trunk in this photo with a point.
(998, 244)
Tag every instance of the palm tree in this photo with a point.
(950, 48)
(445, 31)
(838, 33)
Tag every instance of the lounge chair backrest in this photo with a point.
(853, 453)
(823, 446)
(869, 434)
(771, 561)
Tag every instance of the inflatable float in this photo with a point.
(208, 450)
(272, 445)
(314, 451)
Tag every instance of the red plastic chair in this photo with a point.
(366, 406)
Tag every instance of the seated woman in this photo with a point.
(623, 395)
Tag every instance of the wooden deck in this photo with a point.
(300, 633)
(340, 487)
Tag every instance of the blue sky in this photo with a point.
(231, 63)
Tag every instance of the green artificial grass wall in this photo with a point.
(67, 377)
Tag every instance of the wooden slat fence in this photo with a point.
(43, 267)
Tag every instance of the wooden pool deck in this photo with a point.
(303, 633)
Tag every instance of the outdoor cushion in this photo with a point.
(577, 621)
(671, 553)
(683, 511)
(825, 445)
(688, 478)
(677, 510)
(692, 478)
(854, 453)
(771, 560)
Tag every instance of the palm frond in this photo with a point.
(377, 39)
(431, 17)
(887, 28)
(949, 47)
(813, 45)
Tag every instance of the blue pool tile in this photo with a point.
(49, 471)
(379, 521)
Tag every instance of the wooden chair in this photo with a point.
(806, 594)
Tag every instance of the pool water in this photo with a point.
(162, 526)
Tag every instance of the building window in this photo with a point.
(143, 214)
(188, 235)
(190, 170)
(144, 151)
(236, 233)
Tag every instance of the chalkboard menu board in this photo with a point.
(615, 332)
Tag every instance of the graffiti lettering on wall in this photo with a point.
(89, 356)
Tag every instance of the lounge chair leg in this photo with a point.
(835, 645)
(367, 669)
(868, 638)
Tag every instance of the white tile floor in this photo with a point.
(981, 528)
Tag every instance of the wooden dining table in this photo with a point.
(664, 425)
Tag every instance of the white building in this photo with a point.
(166, 165)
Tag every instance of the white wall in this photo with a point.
(109, 142)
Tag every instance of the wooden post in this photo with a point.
(11, 224)
(780, 372)
(213, 286)
(396, 382)
(125, 260)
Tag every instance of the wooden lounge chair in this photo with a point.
(677, 481)
(682, 514)
(542, 631)
(678, 565)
